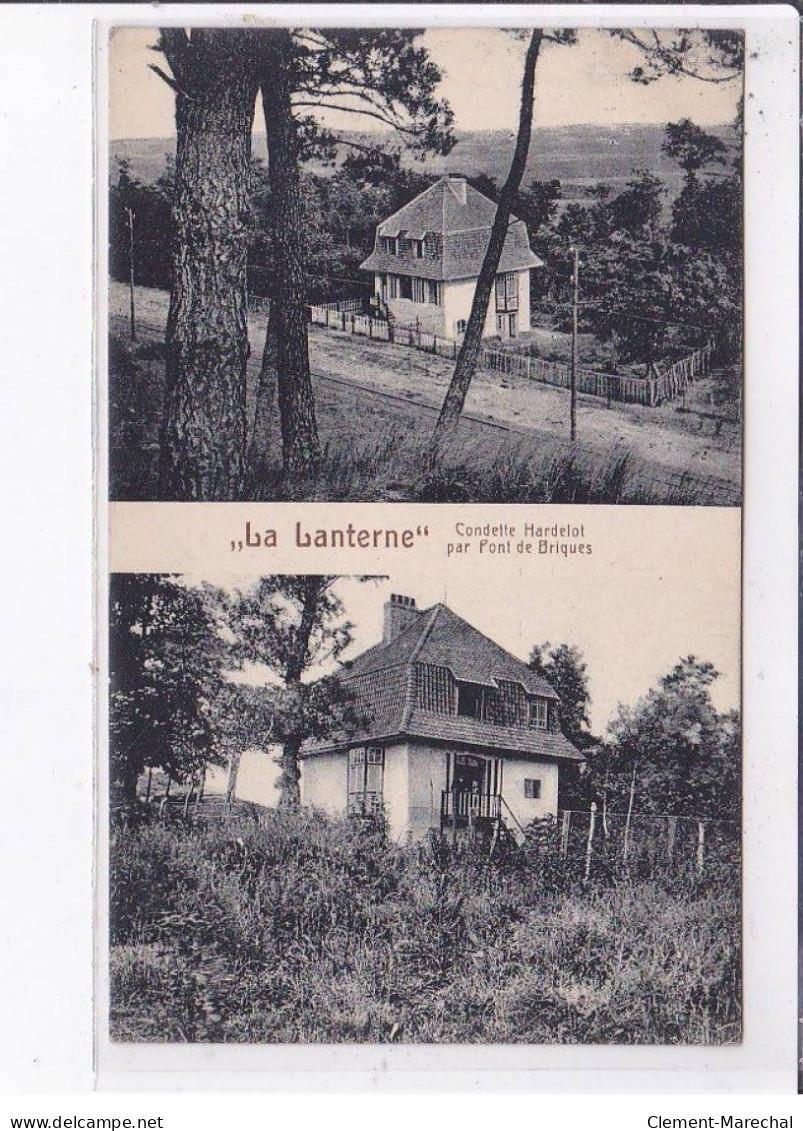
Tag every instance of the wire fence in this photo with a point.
(603, 839)
(667, 382)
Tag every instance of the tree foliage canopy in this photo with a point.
(684, 756)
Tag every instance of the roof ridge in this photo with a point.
(418, 196)
(416, 652)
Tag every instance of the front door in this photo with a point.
(507, 325)
(469, 773)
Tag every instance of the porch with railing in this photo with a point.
(464, 806)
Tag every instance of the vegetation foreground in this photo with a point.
(298, 928)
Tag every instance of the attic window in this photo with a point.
(475, 701)
(469, 700)
(411, 246)
(538, 713)
(388, 244)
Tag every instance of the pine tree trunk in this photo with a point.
(290, 775)
(290, 761)
(259, 452)
(472, 342)
(300, 442)
(202, 449)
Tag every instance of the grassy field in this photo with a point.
(305, 929)
(376, 407)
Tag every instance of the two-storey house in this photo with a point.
(427, 257)
(456, 732)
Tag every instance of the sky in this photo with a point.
(482, 70)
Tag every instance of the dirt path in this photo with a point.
(662, 436)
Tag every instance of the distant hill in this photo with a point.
(579, 156)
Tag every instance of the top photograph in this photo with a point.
(455, 265)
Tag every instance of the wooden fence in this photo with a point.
(659, 839)
(669, 381)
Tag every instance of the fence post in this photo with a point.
(590, 841)
(700, 848)
(564, 833)
(671, 833)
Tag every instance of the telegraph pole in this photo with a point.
(130, 212)
(573, 400)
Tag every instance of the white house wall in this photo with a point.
(458, 296)
(526, 809)
(414, 778)
(427, 780)
(457, 299)
(394, 790)
(324, 782)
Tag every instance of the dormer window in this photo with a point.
(410, 245)
(539, 713)
(388, 244)
(469, 700)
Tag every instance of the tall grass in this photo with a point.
(402, 468)
(307, 929)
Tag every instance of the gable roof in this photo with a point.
(382, 680)
(440, 209)
(458, 232)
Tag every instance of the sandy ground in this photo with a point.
(694, 441)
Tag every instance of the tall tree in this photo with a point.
(692, 147)
(290, 625)
(203, 435)
(472, 341)
(166, 659)
(378, 73)
(712, 56)
(563, 666)
(673, 752)
(285, 361)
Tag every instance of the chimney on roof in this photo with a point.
(457, 185)
(400, 612)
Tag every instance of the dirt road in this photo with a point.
(665, 437)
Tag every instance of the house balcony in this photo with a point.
(463, 807)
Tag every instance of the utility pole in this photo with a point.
(130, 212)
(573, 400)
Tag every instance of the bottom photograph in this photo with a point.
(342, 809)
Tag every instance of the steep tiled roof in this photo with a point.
(462, 230)
(455, 644)
(448, 728)
(440, 208)
(382, 680)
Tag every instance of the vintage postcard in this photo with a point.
(421, 725)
